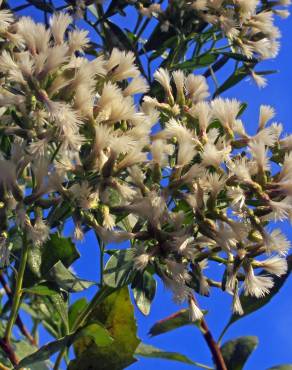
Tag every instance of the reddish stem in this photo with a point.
(7, 348)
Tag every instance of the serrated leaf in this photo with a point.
(116, 313)
(119, 271)
(64, 278)
(174, 321)
(144, 289)
(148, 351)
(236, 352)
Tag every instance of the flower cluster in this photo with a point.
(180, 177)
(247, 25)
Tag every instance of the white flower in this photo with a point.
(163, 77)
(195, 312)
(236, 304)
(59, 24)
(274, 265)
(196, 87)
(276, 241)
(212, 156)
(257, 286)
(266, 114)
(226, 111)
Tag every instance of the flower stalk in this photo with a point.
(18, 293)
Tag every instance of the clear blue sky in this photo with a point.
(273, 323)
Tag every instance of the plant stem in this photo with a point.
(215, 350)
(18, 321)
(17, 293)
(7, 348)
(99, 296)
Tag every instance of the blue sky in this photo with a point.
(273, 323)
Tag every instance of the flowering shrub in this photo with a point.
(177, 175)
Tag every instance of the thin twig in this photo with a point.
(7, 348)
(212, 344)
(18, 321)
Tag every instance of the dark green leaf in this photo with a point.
(119, 270)
(251, 304)
(269, 72)
(115, 36)
(199, 62)
(144, 288)
(146, 350)
(239, 57)
(60, 275)
(232, 80)
(236, 352)
(75, 309)
(47, 289)
(60, 304)
(176, 320)
(42, 259)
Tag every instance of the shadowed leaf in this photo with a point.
(144, 288)
(116, 313)
(236, 352)
(251, 304)
(60, 275)
(119, 270)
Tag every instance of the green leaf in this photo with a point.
(236, 352)
(144, 288)
(116, 313)
(42, 259)
(60, 304)
(119, 270)
(23, 349)
(146, 350)
(60, 275)
(174, 321)
(199, 62)
(95, 331)
(46, 289)
(44, 352)
(281, 367)
(232, 80)
(115, 36)
(75, 309)
(251, 304)
(239, 57)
